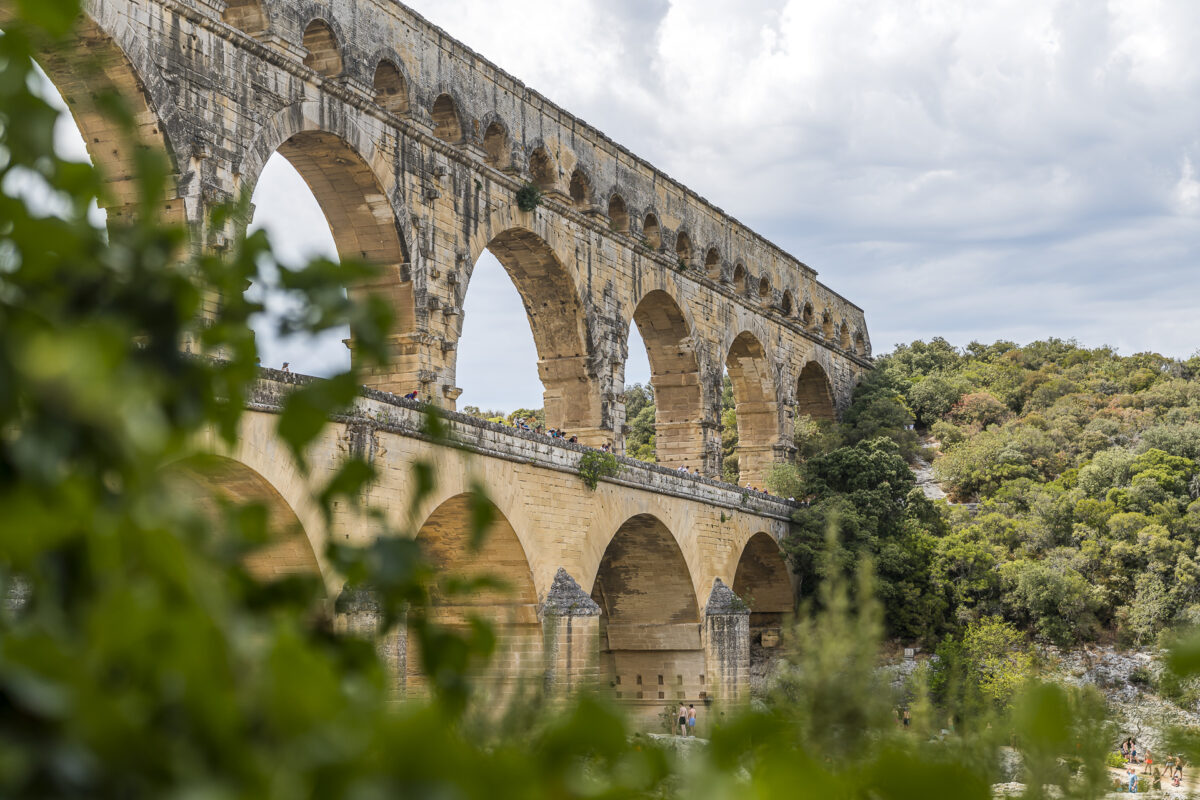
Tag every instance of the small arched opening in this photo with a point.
(324, 53)
(764, 290)
(391, 90)
(447, 125)
(581, 190)
(739, 278)
(827, 325)
(683, 249)
(860, 344)
(543, 171)
(712, 264)
(651, 232)
(786, 304)
(495, 144)
(844, 335)
(806, 315)
(618, 214)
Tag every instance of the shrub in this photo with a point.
(529, 197)
(596, 464)
(784, 480)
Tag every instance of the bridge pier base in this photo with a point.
(357, 613)
(571, 627)
(727, 646)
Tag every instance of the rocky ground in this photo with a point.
(1126, 679)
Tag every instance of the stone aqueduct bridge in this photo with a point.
(416, 149)
(655, 550)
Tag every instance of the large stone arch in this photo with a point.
(608, 519)
(756, 396)
(290, 550)
(353, 185)
(762, 579)
(511, 610)
(456, 477)
(651, 651)
(669, 334)
(814, 393)
(557, 314)
(95, 61)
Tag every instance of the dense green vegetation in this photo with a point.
(1079, 474)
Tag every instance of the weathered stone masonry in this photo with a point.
(655, 549)
(416, 148)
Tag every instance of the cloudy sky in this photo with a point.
(995, 169)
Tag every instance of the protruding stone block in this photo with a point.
(571, 626)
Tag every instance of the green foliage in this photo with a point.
(785, 480)
(984, 671)
(529, 197)
(879, 408)
(813, 437)
(729, 434)
(596, 464)
(1052, 598)
(641, 441)
(867, 492)
(828, 686)
(1083, 465)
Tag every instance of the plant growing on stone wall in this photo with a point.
(529, 197)
(596, 465)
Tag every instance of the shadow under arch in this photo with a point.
(756, 404)
(339, 168)
(814, 393)
(84, 69)
(763, 580)
(209, 479)
(512, 611)
(650, 646)
(667, 331)
(558, 322)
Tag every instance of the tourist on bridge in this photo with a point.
(682, 713)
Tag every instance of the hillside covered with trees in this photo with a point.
(1073, 482)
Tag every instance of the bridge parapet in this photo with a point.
(388, 413)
